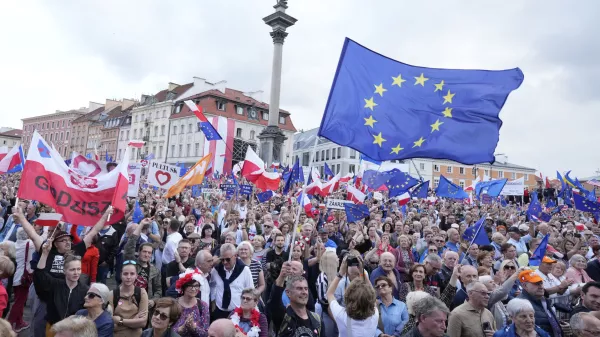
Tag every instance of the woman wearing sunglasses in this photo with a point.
(195, 316)
(130, 303)
(165, 314)
(96, 301)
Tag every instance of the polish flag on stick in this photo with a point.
(48, 219)
(138, 144)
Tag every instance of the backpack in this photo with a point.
(137, 295)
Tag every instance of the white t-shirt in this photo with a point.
(364, 328)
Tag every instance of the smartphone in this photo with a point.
(487, 326)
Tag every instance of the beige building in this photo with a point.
(10, 138)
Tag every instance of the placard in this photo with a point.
(245, 189)
(134, 172)
(211, 191)
(337, 203)
(377, 196)
(514, 187)
(227, 186)
(163, 175)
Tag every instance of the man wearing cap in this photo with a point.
(551, 284)
(533, 291)
(519, 241)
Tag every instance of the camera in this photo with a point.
(352, 261)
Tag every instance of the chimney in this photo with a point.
(128, 103)
(111, 104)
(93, 106)
(257, 95)
(220, 86)
(172, 86)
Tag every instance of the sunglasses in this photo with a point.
(129, 262)
(161, 315)
(433, 250)
(268, 226)
(247, 299)
(227, 259)
(510, 267)
(381, 286)
(91, 296)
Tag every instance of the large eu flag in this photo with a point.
(389, 110)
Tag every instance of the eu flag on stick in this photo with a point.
(327, 171)
(535, 208)
(420, 191)
(583, 204)
(476, 234)
(491, 188)
(265, 196)
(208, 129)
(448, 189)
(389, 110)
(138, 215)
(356, 212)
(295, 176)
(538, 255)
(399, 182)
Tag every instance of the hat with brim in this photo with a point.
(61, 234)
(529, 276)
(548, 260)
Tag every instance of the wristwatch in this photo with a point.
(340, 276)
(121, 321)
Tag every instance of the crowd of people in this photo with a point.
(209, 265)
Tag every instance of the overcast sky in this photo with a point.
(58, 55)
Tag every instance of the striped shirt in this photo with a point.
(322, 286)
(255, 268)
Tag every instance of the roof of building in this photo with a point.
(597, 177)
(57, 113)
(234, 96)
(305, 140)
(162, 95)
(15, 133)
(90, 116)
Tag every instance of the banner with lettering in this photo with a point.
(162, 175)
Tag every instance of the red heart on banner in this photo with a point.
(87, 167)
(162, 177)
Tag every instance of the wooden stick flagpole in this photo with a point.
(295, 229)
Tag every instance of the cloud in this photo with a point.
(61, 55)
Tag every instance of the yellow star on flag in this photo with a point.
(369, 103)
(396, 149)
(447, 112)
(379, 89)
(439, 86)
(419, 142)
(436, 126)
(448, 97)
(421, 80)
(378, 139)
(398, 80)
(370, 121)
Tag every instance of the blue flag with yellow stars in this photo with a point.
(447, 189)
(583, 204)
(491, 188)
(535, 208)
(538, 255)
(356, 212)
(390, 110)
(476, 233)
(138, 214)
(420, 191)
(399, 182)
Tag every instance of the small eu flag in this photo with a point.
(491, 188)
(138, 215)
(265, 196)
(583, 204)
(356, 212)
(448, 189)
(536, 259)
(327, 171)
(476, 233)
(390, 110)
(207, 128)
(295, 176)
(535, 208)
(399, 182)
(420, 191)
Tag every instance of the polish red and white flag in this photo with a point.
(48, 219)
(221, 150)
(254, 171)
(138, 144)
(79, 198)
(355, 195)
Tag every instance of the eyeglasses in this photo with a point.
(129, 262)
(268, 226)
(381, 286)
(192, 241)
(194, 286)
(439, 240)
(247, 299)
(226, 259)
(161, 315)
(91, 296)
(510, 267)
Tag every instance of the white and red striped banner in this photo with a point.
(222, 156)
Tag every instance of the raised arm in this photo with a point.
(97, 227)
(28, 228)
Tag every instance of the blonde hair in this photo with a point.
(9, 249)
(78, 325)
(329, 264)
(7, 267)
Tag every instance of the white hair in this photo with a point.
(248, 245)
(21, 234)
(227, 247)
(485, 279)
(575, 258)
(471, 285)
(517, 305)
(414, 297)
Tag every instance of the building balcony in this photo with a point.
(146, 138)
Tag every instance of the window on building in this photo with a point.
(122, 135)
(421, 166)
(120, 154)
(323, 155)
(62, 136)
(160, 148)
(188, 150)
(53, 125)
(239, 110)
(317, 156)
(461, 170)
(513, 175)
(154, 150)
(337, 170)
(327, 155)
(135, 133)
(164, 113)
(252, 133)
(436, 168)
(136, 118)
(281, 119)
(132, 154)
(461, 184)
(180, 152)
(174, 129)
(178, 108)
(449, 169)
(182, 129)
(63, 124)
(50, 138)
(190, 128)
(352, 153)
(305, 158)
(172, 150)
(156, 114)
(333, 153)
(221, 105)
(474, 171)
(436, 182)
(127, 133)
(197, 149)
(143, 117)
(351, 168)
(500, 174)
(67, 137)
(162, 130)
(265, 116)
(486, 172)
(47, 125)
(156, 130)
(526, 176)
(339, 152)
(238, 132)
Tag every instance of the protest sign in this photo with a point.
(163, 175)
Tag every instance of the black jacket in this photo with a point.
(278, 312)
(541, 317)
(62, 301)
(108, 246)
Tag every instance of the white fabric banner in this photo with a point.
(514, 187)
(135, 173)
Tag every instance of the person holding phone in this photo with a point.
(472, 318)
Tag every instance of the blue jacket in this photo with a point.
(541, 317)
(509, 331)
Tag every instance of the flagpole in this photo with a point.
(473, 240)
(310, 167)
